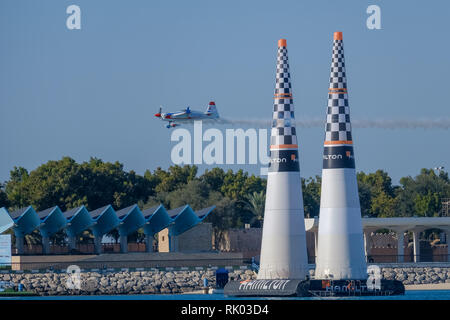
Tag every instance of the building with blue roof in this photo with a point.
(78, 220)
(26, 221)
(105, 220)
(203, 213)
(184, 218)
(156, 219)
(131, 219)
(52, 220)
(6, 221)
(100, 221)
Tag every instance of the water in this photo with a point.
(409, 295)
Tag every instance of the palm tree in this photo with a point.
(256, 203)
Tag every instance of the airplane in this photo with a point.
(188, 115)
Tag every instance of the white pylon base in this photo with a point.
(341, 244)
(341, 249)
(283, 249)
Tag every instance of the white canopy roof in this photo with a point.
(404, 223)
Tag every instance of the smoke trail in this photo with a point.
(441, 123)
(438, 123)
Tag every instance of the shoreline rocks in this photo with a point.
(176, 282)
(121, 282)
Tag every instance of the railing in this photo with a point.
(387, 258)
(81, 248)
(408, 258)
(105, 265)
(47, 263)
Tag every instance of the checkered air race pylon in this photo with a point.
(283, 133)
(283, 249)
(340, 241)
(338, 129)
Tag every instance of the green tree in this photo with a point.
(383, 205)
(195, 193)
(15, 188)
(214, 178)
(238, 185)
(311, 188)
(379, 182)
(423, 194)
(224, 216)
(427, 205)
(175, 177)
(233, 184)
(4, 202)
(256, 203)
(68, 184)
(365, 198)
(47, 186)
(377, 194)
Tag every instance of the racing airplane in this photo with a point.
(188, 115)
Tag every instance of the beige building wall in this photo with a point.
(196, 239)
(163, 240)
(247, 241)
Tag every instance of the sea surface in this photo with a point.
(409, 295)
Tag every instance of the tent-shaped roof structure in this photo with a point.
(156, 219)
(102, 220)
(25, 221)
(203, 213)
(174, 213)
(105, 220)
(52, 220)
(78, 220)
(184, 218)
(131, 219)
(6, 221)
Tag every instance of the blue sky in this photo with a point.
(93, 92)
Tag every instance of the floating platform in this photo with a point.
(267, 288)
(345, 288)
(312, 288)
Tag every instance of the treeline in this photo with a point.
(419, 196)
(239, 197)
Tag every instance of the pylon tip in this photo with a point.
(338, 35)
(282, 43)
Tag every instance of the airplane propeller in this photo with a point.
(159, 113)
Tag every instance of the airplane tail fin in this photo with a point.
(212, 109)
